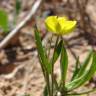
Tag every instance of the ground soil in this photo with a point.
(20, 71)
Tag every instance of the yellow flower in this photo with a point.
(59, 25)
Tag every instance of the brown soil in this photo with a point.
(20, 71)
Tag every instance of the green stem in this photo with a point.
(46, 76)
(50, 42)
(48, 84)
(52, 72)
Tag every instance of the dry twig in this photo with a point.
(7, 39)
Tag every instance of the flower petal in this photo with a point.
(61, 21)
(51, 23)
(68, 27)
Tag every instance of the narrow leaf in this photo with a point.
(85, 64)
(45, 92)
(4, 20)
(41, 51)
(82, 93)
(18, 6)
(63, 64)
(56, 52)
(86, 76)
(77, 68)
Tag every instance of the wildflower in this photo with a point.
(59, 25)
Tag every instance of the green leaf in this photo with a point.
(45, 92)
(82, 93)
(77, 68)
(63, 64)
(85, 64)
(57, 52)
(4, 20)
(18, 6)
(41, 52)
(56, 85)
(71, 86)
(85, 77)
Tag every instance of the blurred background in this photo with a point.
(20, 72)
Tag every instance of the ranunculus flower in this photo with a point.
(59, 25)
